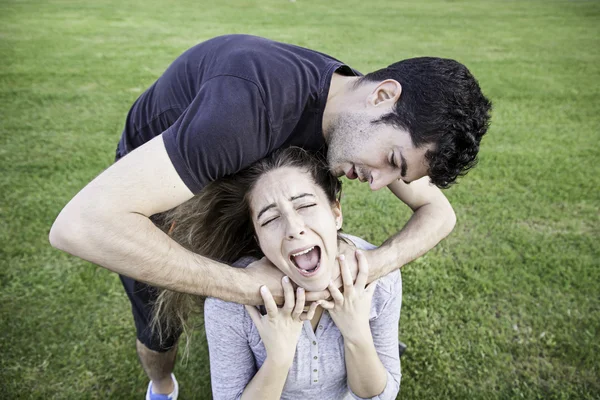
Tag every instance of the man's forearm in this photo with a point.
(426, 228)
(131, 245)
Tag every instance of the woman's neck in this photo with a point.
(314, 322)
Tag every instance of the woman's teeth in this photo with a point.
(303, 252)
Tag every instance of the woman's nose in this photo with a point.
(295, 227)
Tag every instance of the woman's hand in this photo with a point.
(280, 329)
(350, 310)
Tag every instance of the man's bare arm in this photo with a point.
(108, 223)
(432, 221)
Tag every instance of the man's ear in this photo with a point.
(386, 93)
(337, 213)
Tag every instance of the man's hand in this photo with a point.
(263, 273)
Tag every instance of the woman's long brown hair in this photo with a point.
(217, 224)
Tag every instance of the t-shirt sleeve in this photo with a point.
(232, 364)
(225, 129)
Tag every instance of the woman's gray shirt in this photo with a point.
(319, 369)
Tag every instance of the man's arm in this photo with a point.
(432, 221)
(108, 223)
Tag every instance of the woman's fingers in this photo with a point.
(363, 270)
(299, 307)
(288, 294)
(270, 304)
(346, 275)
(371, 288)
(336, 295)
(327, 305)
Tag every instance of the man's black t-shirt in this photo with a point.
(231, 101)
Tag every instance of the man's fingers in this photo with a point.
(363, 270)
(346, 275)
(316, 296)
(270, 304)
(288, 294)
(299, 307)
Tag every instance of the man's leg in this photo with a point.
(158, 367)
(157, 353)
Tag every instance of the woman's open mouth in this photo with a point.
(307, 261)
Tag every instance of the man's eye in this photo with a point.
(306, 206)
(268, 221)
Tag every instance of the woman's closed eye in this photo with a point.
(269, 220)
(307, 206)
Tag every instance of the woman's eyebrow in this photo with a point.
(300, 196)
(265, 209)
(268, 207)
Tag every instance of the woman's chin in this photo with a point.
(313, 285)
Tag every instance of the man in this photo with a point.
(232, 100)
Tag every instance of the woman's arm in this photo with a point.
(367, 377)
(268, 382)
(367, 346)
(383, 336)
(232, 363)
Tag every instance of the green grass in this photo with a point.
(507, 307)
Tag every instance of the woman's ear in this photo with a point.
(337, 213)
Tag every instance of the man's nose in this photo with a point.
(379, 179)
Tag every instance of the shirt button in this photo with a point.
(315, 343)
(314, 370)
(320, 326)
(316, 380)
(315, 357)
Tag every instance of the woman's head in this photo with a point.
(287, 203)
(296, 225)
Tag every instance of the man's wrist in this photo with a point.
(245, 287)
(379, 262)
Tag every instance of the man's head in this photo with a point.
(417, 117)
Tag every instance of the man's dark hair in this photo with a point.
(441, 104)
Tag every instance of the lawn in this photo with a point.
(507, 307)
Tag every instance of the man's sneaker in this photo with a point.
(154, 396)
(401, 348)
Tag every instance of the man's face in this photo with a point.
(375, 153)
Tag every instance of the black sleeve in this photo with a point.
(225, 129)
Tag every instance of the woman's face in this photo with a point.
(296, 226)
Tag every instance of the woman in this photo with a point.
(286, 208)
